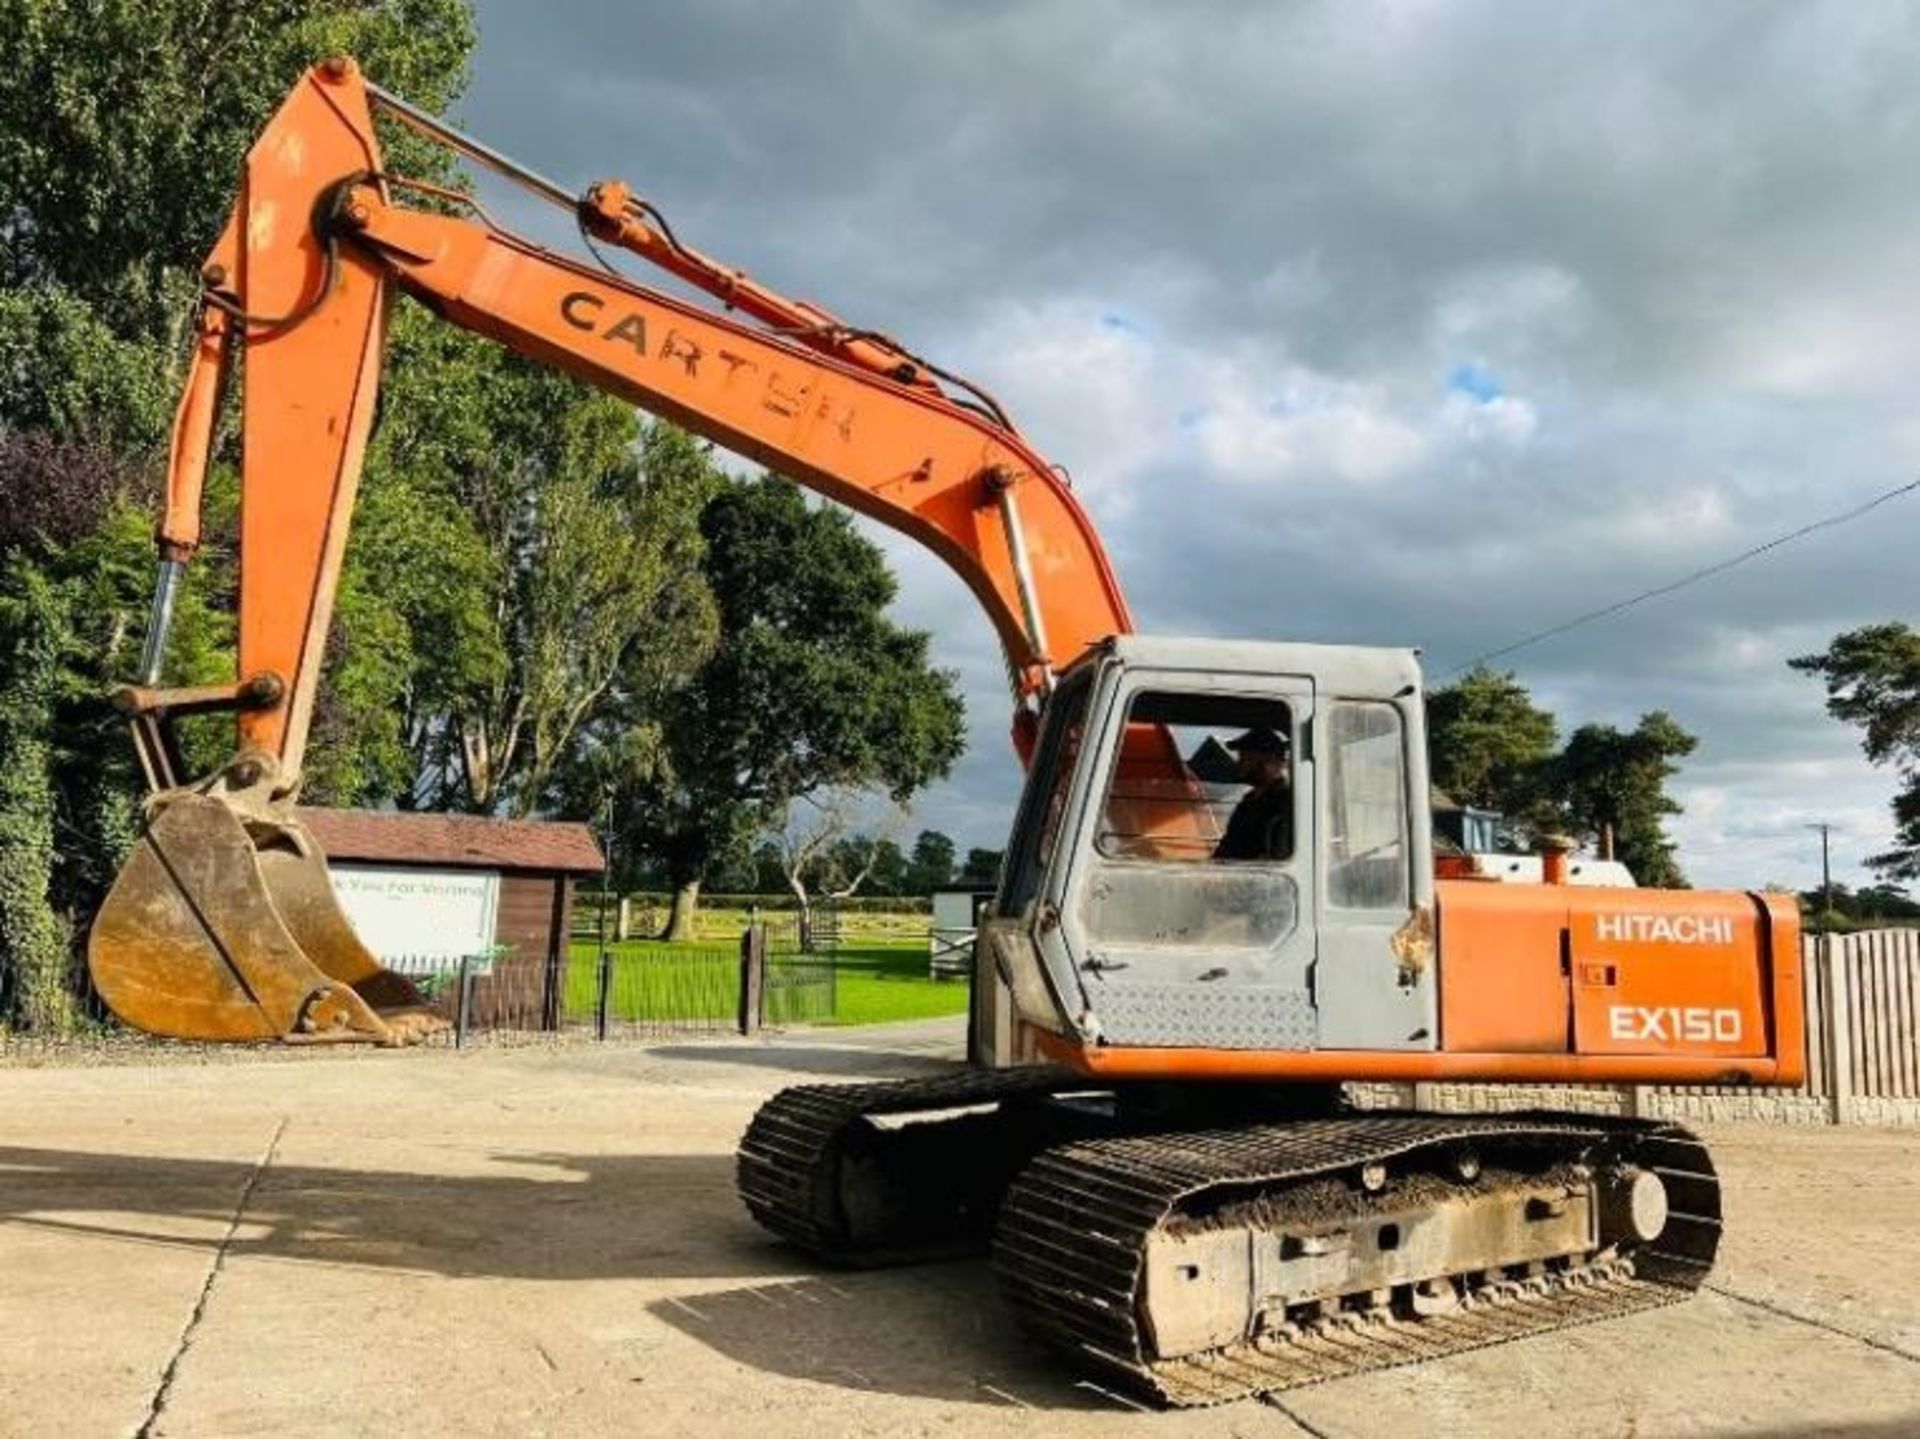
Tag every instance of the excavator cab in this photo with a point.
(1168, 912)
(1166, 888)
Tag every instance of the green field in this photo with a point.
(875, 980)
(718, 923)
(884, 980)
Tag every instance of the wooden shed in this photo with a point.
(426, 889)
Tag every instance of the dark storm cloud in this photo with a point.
(1398, 323)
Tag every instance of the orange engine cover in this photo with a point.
(1562, 969)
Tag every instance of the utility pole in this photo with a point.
(1826, 873)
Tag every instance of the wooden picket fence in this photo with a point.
(1879, 1040)
(1863, 1024)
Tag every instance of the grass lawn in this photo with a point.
(884, 980)
(653, 981)
(876, 980)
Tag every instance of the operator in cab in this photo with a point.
(1262, 823)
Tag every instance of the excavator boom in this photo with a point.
(300, 282)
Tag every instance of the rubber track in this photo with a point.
(1073, 1231)
(787, 1170)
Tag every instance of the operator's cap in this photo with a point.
(1260, 741)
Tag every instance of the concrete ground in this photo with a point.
(545, 1241)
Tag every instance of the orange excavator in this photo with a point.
(1219, 909)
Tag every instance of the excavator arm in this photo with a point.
(301, 281)
(223, 924)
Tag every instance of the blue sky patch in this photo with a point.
(1475, 382)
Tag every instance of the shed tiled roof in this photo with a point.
(460, 840)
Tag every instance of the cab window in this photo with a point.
(1044, 802)
(1201, 779)
(1367, 848)
(1195, 838)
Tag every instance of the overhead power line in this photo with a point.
(1693, 579)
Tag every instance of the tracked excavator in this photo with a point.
(1152, 1135)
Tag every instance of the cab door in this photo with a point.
(1375, 982)
(1177, 944)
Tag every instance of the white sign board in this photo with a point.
(427, 916)
(957, 908)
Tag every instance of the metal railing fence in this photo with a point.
(634, 990)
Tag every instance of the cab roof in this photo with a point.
(1368, 670)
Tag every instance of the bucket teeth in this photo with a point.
(210, 933)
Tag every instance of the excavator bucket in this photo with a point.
(221, 927)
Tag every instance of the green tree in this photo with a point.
(64, 372)
(982, 869)
(122, 129)
(1490, 746)
(585, 596)
(35, 638)
(123, 124)
(752, 872)
(930, 866)
(1873, 682)
(1611, 786)
(811, 688)
(75, 560)
(887, 867)
(1876, 902)
(498, 558)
